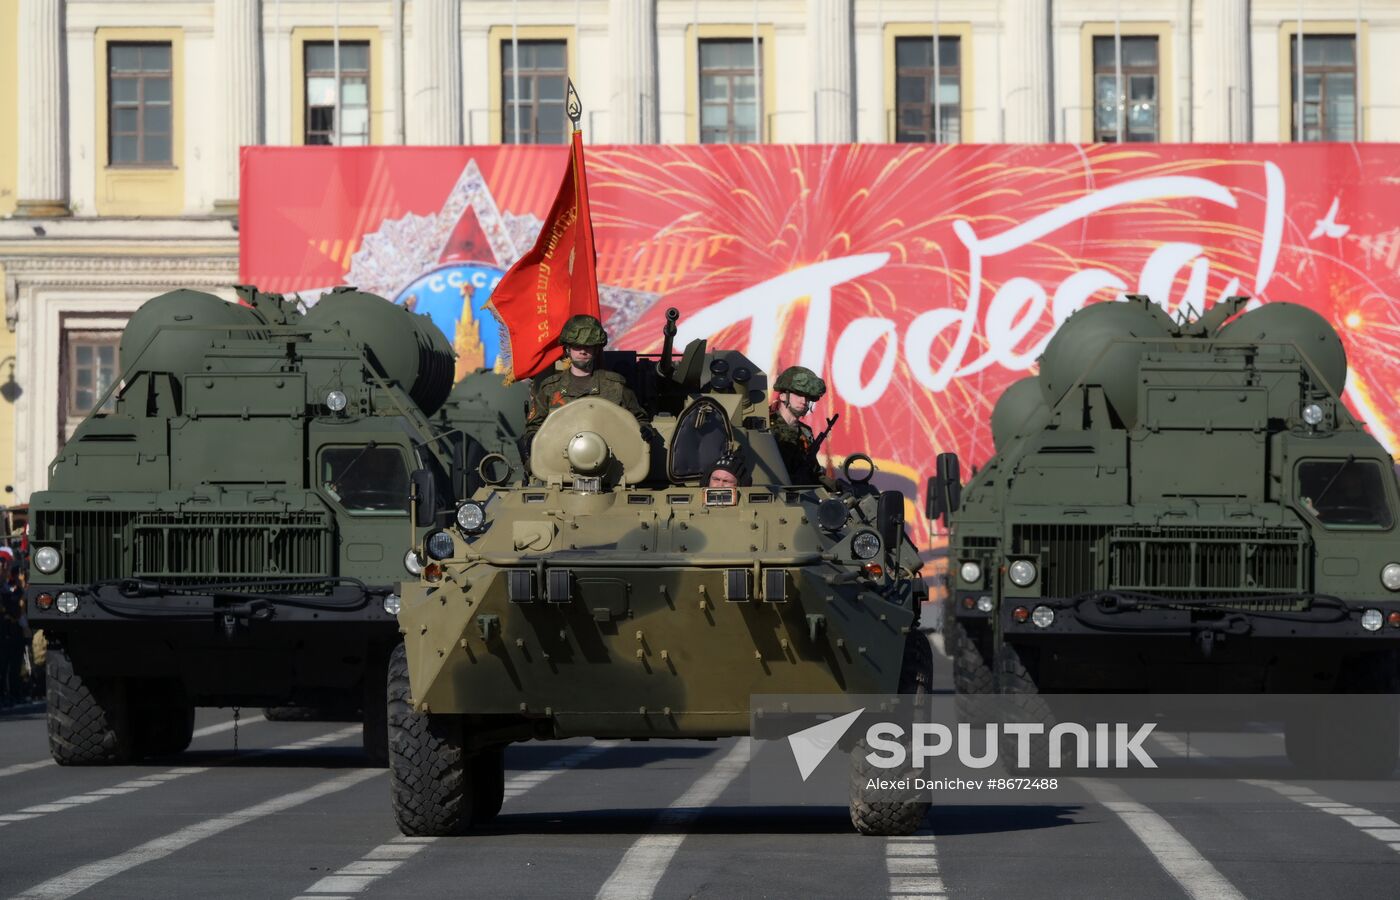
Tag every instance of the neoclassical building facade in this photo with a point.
(120, 122)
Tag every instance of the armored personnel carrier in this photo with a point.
(233, 531)
(611, 594)
(1182, 507)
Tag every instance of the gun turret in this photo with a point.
(666, 367)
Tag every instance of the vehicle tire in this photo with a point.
(88, 720)
(431, 783)
(290, 713)
(888, 817)
(489, 783)
(163, 727)
(1021, 702)
(1356, 737)
(974, 681)
(375, 732)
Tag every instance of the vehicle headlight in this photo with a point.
(67, 603)
(1390, 576)
(1312, 414)
(391, 604)
(866, 545)
(471, 517)
(984, 604)
(1371, 619)
(440, 545)
(413, 563)
(1043, 617)
(335, 401)
(47, 560)
(971, 572)
(1022, 573)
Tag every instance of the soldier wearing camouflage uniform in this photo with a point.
(798, 390)
(583, 339)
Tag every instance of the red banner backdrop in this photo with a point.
(918, 280)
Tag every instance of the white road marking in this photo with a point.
(202, 732)
(645, 862)
(1182, 861)
(155, 780)
(92, 874)
(1381, 828)
(66, 803)
(384, 859)
(912, 864)
(25, 767)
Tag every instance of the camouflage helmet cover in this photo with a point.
(583, 331)
(800, 380)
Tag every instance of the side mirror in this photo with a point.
(950, 477)
(424, 498)
(889, 514)
(933, 499)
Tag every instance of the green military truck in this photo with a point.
(1181, 507)
(612, 594)
(233, 531)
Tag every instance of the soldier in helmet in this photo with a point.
(583, 339)
(798, 390)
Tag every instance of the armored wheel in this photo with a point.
(290, 713)
(1021, 702)
(89, 723)
(489, 783)
(886, 817)
(1368, 717)
(432, 779)
(375, 731)
(973, 678)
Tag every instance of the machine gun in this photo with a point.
(821, 438)
(666, 366)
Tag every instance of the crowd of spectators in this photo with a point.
(21, 650)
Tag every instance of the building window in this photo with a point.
(1329, 87)
(1129, 107)
(91, 369)
(139, 115)
(728, 92)
(542, 77)
(324, 99)
(915, 106)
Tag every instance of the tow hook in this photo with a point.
(230, 623)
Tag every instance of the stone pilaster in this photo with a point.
(43, 111)
(829, 42)
(435, 74)
(1226, 93)
(632, 43)
(238, 46)
(1026, 65)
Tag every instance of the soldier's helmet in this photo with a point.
(583, 331)
(800, 380)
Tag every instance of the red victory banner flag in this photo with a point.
(554, 280)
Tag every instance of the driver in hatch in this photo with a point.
(583, 339)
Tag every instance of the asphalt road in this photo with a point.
(295, 812)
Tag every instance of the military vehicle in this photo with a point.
(484, 415)
(233, 531)
(1181, 507)
(613, 595)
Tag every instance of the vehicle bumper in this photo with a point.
(226, 649)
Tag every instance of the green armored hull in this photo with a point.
(234, 530)
(1179, 507)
